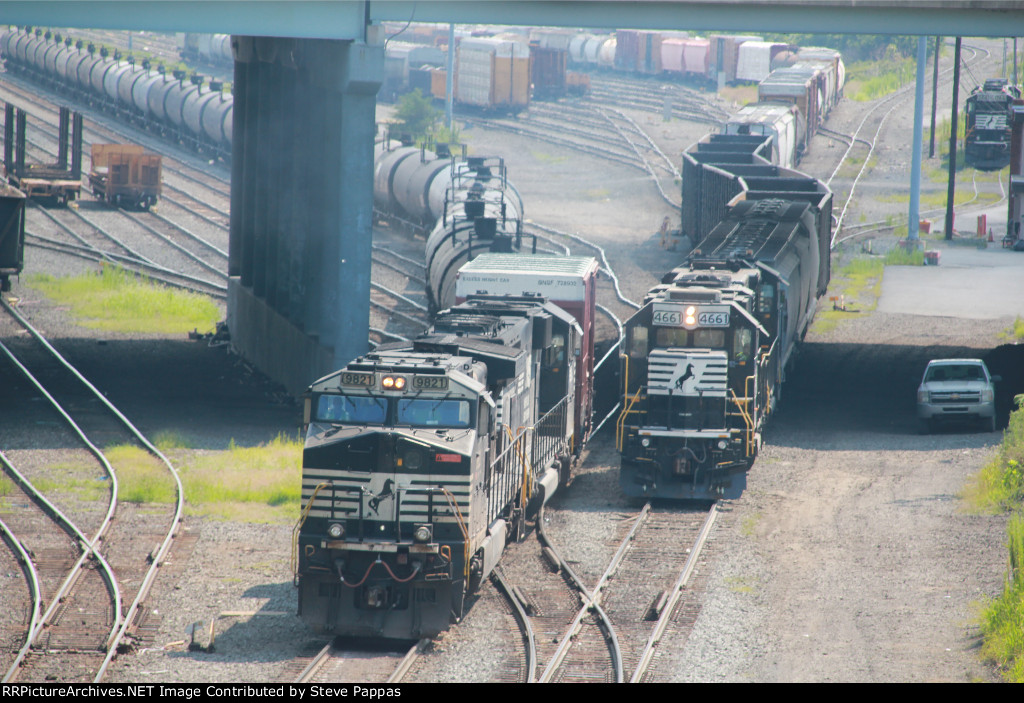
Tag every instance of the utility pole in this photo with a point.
(935, 96)
(914, 222)
(449, 80)
(951, 190)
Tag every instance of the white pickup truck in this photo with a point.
(957, 390)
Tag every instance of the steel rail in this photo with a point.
(167, 240)
(165, 545)
(408, 660)
(591, 602)
(643, 160)
(524, 623)
(28, 567)
(677, 589)
(52, 510)
(306, 675)
(128, 263)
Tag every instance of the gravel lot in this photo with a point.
(849, 558)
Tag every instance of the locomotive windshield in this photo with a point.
(412, 412)
(360, 410)
(433, 412)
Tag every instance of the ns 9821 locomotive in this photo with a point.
(703, 360)
(423, 458)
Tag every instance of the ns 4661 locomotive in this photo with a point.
(423, 458)
(703, 359)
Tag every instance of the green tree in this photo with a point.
(416, 115)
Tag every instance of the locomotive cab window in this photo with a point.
(638, 342)
(711, 339)
(360, 410)
(434, 412)
(671, 337)
(741, 345)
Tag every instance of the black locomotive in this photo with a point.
(704, 359)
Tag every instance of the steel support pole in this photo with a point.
(951, 189)
(915, 168)
(935, 95)
(449, 79)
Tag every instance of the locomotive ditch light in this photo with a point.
(646, 442)
(336, 530)
(722, 444)
(422, 534)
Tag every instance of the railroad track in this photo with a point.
(861, 147)
(609, 632)
(76, 628)
(378, 663)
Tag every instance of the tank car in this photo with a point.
(423, 458)
(188, 111)
(987, 124)
(703, 360)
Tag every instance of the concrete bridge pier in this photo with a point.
(302, 203)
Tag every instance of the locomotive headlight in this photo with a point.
(393, 383)
(336, 530)
(690, 316)
(422, 534)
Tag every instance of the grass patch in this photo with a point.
(870, 80)
(1002, 621)
(1014, 333)
(249, 484)
(141, 477)
(999, 486)
(116, 301)
(858, 283)
(738, 584)
(898, 256)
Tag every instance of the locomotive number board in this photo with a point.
(690, 316)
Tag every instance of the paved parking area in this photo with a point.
(968, 283)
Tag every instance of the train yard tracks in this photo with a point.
(86, 588)
(572, 632)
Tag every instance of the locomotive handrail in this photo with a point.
(621, 424)
(298, 527)
(454, 504)
(744, 412)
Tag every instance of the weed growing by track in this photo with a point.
(116, 301)
(999, 488)
(248, 484)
